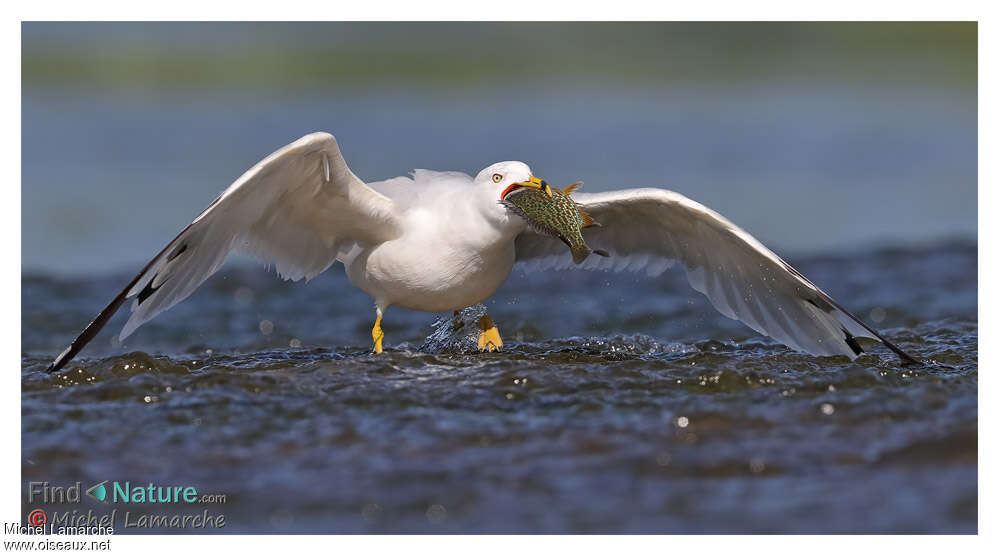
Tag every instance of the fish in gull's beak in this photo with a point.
(533, 182)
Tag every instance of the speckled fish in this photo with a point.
(552, 212)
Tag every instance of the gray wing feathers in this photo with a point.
(296, 209)
(651, 228)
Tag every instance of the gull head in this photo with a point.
(504, 177)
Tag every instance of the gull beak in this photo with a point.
(533, 182)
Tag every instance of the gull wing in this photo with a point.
(652, 228)
(294, 209)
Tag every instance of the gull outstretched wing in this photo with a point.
(295, 209)
(649, 229)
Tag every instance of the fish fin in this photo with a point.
(601, 252)
(568, 190)
(588, 220)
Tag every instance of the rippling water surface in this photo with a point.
(621, 404)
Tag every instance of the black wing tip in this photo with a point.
(53, 368)
(60, 360)
(825, 301)
(851, 341)
(148, 290)
(102, 318)
(177, 252)
(904, 358)
(820, 304)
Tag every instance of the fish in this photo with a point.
(551, 211)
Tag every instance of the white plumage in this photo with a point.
(441, 241)
(649, 229)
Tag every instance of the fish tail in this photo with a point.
(579, 253)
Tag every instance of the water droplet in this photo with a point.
(243, 295)
(663, 459)
(757, 465)
(295, 343)
(266, 327)
(370, 512)
(827, 409)
(436, 513)
(878, 314)
(682, 422)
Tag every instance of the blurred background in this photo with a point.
(815, 137)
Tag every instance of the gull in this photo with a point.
(443, 241)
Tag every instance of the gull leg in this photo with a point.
(489, 338)
(376, 333)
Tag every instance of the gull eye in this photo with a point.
(497, 178)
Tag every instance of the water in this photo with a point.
(886, 168)
(620, 404)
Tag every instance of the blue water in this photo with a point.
(620, 404)
(108, 179)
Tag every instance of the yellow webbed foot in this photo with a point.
(377, 335)
(489, 338)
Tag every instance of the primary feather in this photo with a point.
(295, 209)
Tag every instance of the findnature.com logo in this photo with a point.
(117, 493)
